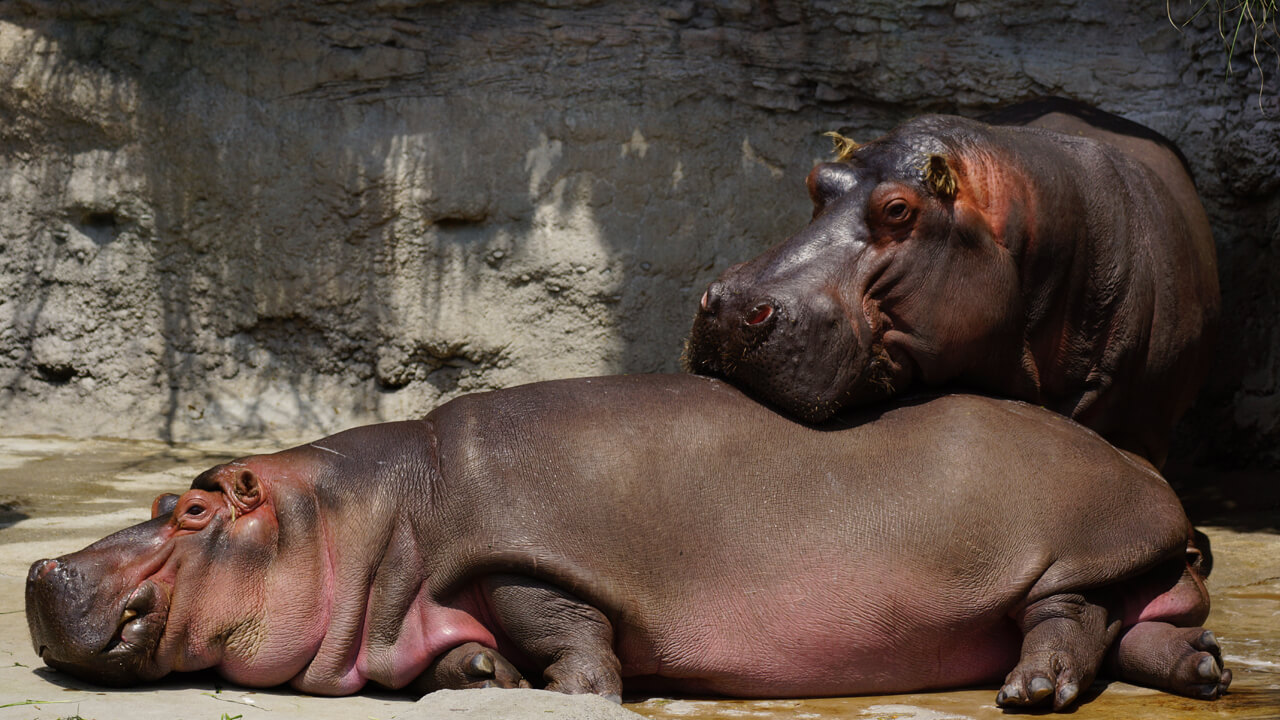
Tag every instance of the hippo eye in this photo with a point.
(193, 513)
(897, 209)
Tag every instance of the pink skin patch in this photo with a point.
(430, 630)
(778, 641)
(990, 187)
(1187, 602)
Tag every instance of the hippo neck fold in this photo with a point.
(384, 625)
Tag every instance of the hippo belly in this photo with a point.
(780, 636)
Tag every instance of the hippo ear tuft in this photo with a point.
(843, 147)
(939, 177)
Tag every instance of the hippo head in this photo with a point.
(899, 278)
(199, 585)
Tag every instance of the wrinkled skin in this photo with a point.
(1065, 264)
(558, 534)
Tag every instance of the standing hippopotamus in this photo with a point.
(658, 532)
(1070, 267)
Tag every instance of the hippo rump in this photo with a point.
(1066, 261)
(646, 532)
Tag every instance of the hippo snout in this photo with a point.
(729, 327)
(803, 354)
(97, 614)
(70, 632)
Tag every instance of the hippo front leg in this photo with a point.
(470, 665)
(1064, 640)
(572, 640)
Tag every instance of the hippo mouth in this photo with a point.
(142, 621)
(123, 657)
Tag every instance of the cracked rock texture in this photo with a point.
(279, 219)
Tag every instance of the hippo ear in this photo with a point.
(939, 177)
(245, 490)
(828, 181)
(163, 504)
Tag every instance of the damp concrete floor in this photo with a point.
(58, 495)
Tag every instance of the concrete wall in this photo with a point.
(228, 219)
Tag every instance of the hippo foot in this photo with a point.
(470, 665)
(1182, 660)
(1065, 638)
(1041, 679)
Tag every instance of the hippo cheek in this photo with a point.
(254, 604)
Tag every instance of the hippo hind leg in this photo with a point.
(1181, 660)
(571, 639)
(1169, 650)
(1064, 640)
(470, 665)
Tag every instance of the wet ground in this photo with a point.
(58, 495)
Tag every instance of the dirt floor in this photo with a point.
(58, 495)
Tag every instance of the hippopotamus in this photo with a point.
(1064, 259)
(661, 533)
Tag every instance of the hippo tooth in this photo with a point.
(127, 615)
(133, 633)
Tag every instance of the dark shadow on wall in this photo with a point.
(1247, 500)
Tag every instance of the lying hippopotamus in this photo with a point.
(1068, 263)
(662, 533)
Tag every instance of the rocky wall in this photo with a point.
(228, 219)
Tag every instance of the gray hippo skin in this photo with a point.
(1066, 261)
(662, 533)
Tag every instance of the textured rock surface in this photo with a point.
(251, 218)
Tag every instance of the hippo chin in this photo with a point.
(660, 533)
(1067, 262)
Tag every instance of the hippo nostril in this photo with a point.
(761, 313)
(40, 568)
(711, 298)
